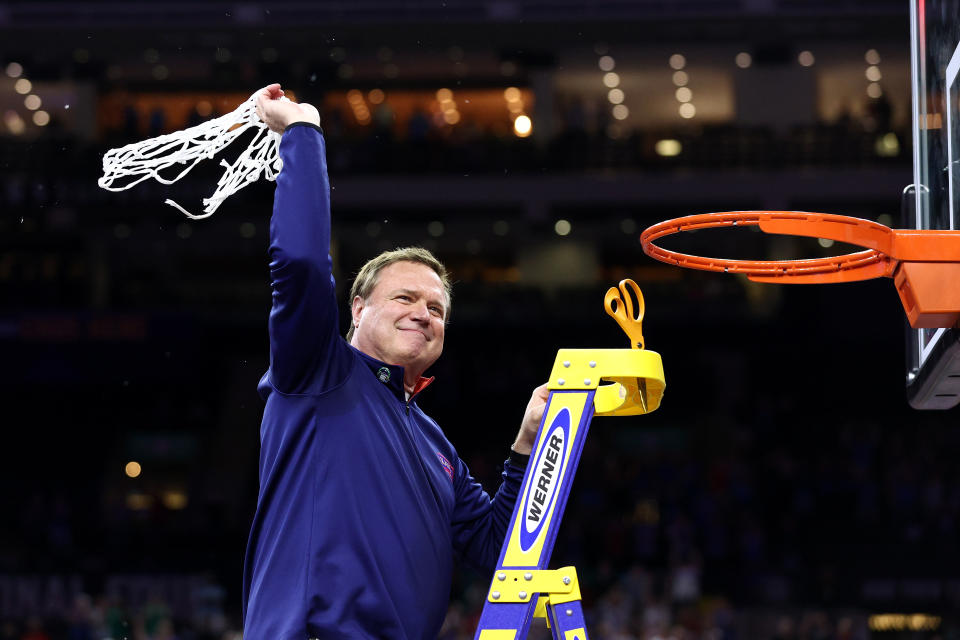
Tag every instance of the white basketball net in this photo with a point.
(132, 164)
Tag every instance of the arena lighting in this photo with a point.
(444, 94)
(23, 86)
(522, 126)
(511, 94)
(606, 63)
(678, 61)
(132, 469)
(32, 102)
(680, 78)
(873, 73)
(14, 69)
(611, 79)
(668, 148)
(376, 96)
(687, 110)
(174, 499)
(874, 90)
(684, 94)
(806, 59)
(743, 60)
(615, 96)
(620, 112)
(14, 122)
(872, 57)
(887, 145)
(562, 227)
(903, 622)
(41, 118)
(139, 501)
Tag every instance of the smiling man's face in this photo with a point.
(402, 321)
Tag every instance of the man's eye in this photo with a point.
(437, 310)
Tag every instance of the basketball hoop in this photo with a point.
(925, 264)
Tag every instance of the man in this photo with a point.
(363, 501)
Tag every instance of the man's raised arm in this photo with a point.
(303, 318)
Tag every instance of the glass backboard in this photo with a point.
(933, 367)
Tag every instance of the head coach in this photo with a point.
(363, 503)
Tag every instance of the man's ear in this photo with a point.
(356, 308)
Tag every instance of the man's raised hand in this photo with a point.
(278, 112)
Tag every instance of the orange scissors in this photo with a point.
(620, 308)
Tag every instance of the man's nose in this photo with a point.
(420, 311)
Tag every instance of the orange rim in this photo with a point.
(860, 265)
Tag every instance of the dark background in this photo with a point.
(784, 488)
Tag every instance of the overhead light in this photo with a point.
(667, 148)
(522, 126)
(678, 61)
(743, 60)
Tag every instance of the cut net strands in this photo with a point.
(146, 159)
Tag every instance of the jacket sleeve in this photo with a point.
(479, 523)
(303, 326)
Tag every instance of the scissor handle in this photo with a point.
(619, 306)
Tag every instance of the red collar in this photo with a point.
(422, 384)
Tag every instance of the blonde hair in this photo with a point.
(369, 274)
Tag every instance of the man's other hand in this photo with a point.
(278, 112)
(531, 420)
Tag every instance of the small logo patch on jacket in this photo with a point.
(384, 374)
(446, 465)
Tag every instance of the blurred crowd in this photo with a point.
(679, 535)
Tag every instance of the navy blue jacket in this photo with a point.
(363, 501)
